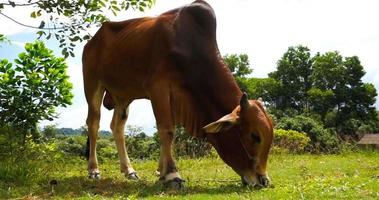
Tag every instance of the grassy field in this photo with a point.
(343, 176)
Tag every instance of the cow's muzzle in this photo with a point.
(258, 181)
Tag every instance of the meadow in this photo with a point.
(347, 175)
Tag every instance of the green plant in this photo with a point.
(292, 140)
(72, 145)
(32, 89)
(321, 139)
(187, 146)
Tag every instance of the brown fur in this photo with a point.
(174, 61)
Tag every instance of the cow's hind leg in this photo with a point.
(162, 110)
(94, 96)
(120, 116)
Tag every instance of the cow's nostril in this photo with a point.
(263, 180)
(243, 181)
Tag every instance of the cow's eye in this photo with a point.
(255, 138)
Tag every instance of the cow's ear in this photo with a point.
(223, 124)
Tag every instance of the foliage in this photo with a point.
(266, 88)
(293, 74)
(19, 166)
(49, 132)
(3, 39)
(142, 147)
(370, 126)
(69, 21)
(321, 139)
(328, 85)
(239, 65)
(188, 146)
(106, 148)
(32, 89)
(292, 140)
(72, 145)
(338, 82)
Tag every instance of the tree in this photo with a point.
(49, 132)
(133, 130)
(293, 74)
(239, 65)
(266, 88)
(32, 89)
(69, 20)
(328, 85)
(338, 87)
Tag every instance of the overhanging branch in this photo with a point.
(36, 27)
(13, 4)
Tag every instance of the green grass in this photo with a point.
(343, 176)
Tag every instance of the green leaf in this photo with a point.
(42, 25)
(74, 39)
(115, 8)
(86, 37)
(48, 36)
(33, 14)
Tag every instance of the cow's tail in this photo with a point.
(87, 148)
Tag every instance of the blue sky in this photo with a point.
(262, 29)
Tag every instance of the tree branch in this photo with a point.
(13, 4)
(36, 27)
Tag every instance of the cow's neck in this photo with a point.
(219, 95)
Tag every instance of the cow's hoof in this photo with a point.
(94, 175)
(133, 176)
(174, 184)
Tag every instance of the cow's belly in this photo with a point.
(126, 83)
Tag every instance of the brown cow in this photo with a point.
(174, 61)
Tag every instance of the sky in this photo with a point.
(262, 29)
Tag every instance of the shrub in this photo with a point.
(106, 148)
(322, 139)
(73, 145)
(187, 146)
(292, 140)
(23, 165)
(141, 146)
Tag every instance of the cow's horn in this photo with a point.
(244, 103)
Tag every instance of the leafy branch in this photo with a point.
(69, 21)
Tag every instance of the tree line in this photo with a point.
(326, 87)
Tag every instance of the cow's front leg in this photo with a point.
(169, 173)
(120, 116)
(160, 100)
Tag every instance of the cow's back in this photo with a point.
(122, 55)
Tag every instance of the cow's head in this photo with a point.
(243, 139)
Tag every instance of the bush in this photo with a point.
(187, 146)
(142, 147)
(73, 145)
(106, 148)
(322, 139)
(23, 165)
(292, 140)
